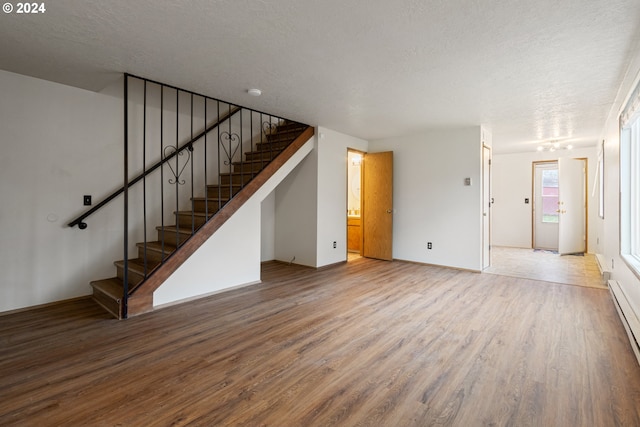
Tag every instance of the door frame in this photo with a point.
(586, 198)
(362, 154)
(533, 197)
(487, 204)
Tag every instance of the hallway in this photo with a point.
(576, 270)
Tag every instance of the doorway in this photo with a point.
(487, 201)
(559, 216)
(545, 206)
(354, 204)
(370, 205)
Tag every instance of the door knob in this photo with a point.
(389, 211)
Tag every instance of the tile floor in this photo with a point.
(577, 270)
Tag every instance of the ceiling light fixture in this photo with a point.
(552, 146)
(254, 92)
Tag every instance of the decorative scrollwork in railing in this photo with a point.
(227, 140)
(269, 127)
(168, 151)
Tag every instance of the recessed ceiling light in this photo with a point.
(254, 92)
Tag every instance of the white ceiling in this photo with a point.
(528, 70)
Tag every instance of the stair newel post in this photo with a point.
(193, 217)
(144, 179)
(219, 170)
(250, 144)
(261, 140)
(162, 173)
(231, 160)
(206, 196)
(229, 151)
(177, 183)
(125, 287)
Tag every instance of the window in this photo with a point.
(630, 182)
(549, 195)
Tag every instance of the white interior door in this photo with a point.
(572, 225)
(545, 205)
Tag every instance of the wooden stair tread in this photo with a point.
(211, 186)
(253, 161)
(210, 199)
(173, 229)
(157, 246)
(112, 287)
(137, 265)
(195, 213)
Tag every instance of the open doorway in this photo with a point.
(545, 206)
(559, 217)
(354, 204)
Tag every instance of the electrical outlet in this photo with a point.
(87, 200)
(335, 244)
(429, 245)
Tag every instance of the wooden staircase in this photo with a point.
(171, 239)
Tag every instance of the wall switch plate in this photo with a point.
(87, 200)
(429, 245)
(526, 201)
(335, 245)
(467, 181)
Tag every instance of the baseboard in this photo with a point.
(627, 314)
(48, 304)
(602, 266)
(209, 294)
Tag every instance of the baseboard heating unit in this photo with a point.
(628, 315)
(602, 266)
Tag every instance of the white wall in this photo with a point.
(332, 194)
(512, 183)
(268, 228)
(610, 226)
(296, 213)
(57, 142)
(431, 202)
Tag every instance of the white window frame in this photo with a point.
(630, 182)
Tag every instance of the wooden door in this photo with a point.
(377, 205)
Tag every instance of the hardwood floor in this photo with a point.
(362, 343)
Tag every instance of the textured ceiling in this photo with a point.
(528, 70)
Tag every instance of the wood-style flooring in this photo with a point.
(362, 343)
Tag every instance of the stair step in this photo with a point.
(289, 133)
(279, 145)
(289, 126)
(185, 218)
(236, 178)
(224, 191)
(173, 235)
(108, 294)
(266, 155)
(209, 205)
(136, 270)
(250, 166)
(156, 251)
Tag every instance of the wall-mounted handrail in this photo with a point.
(79, 221)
